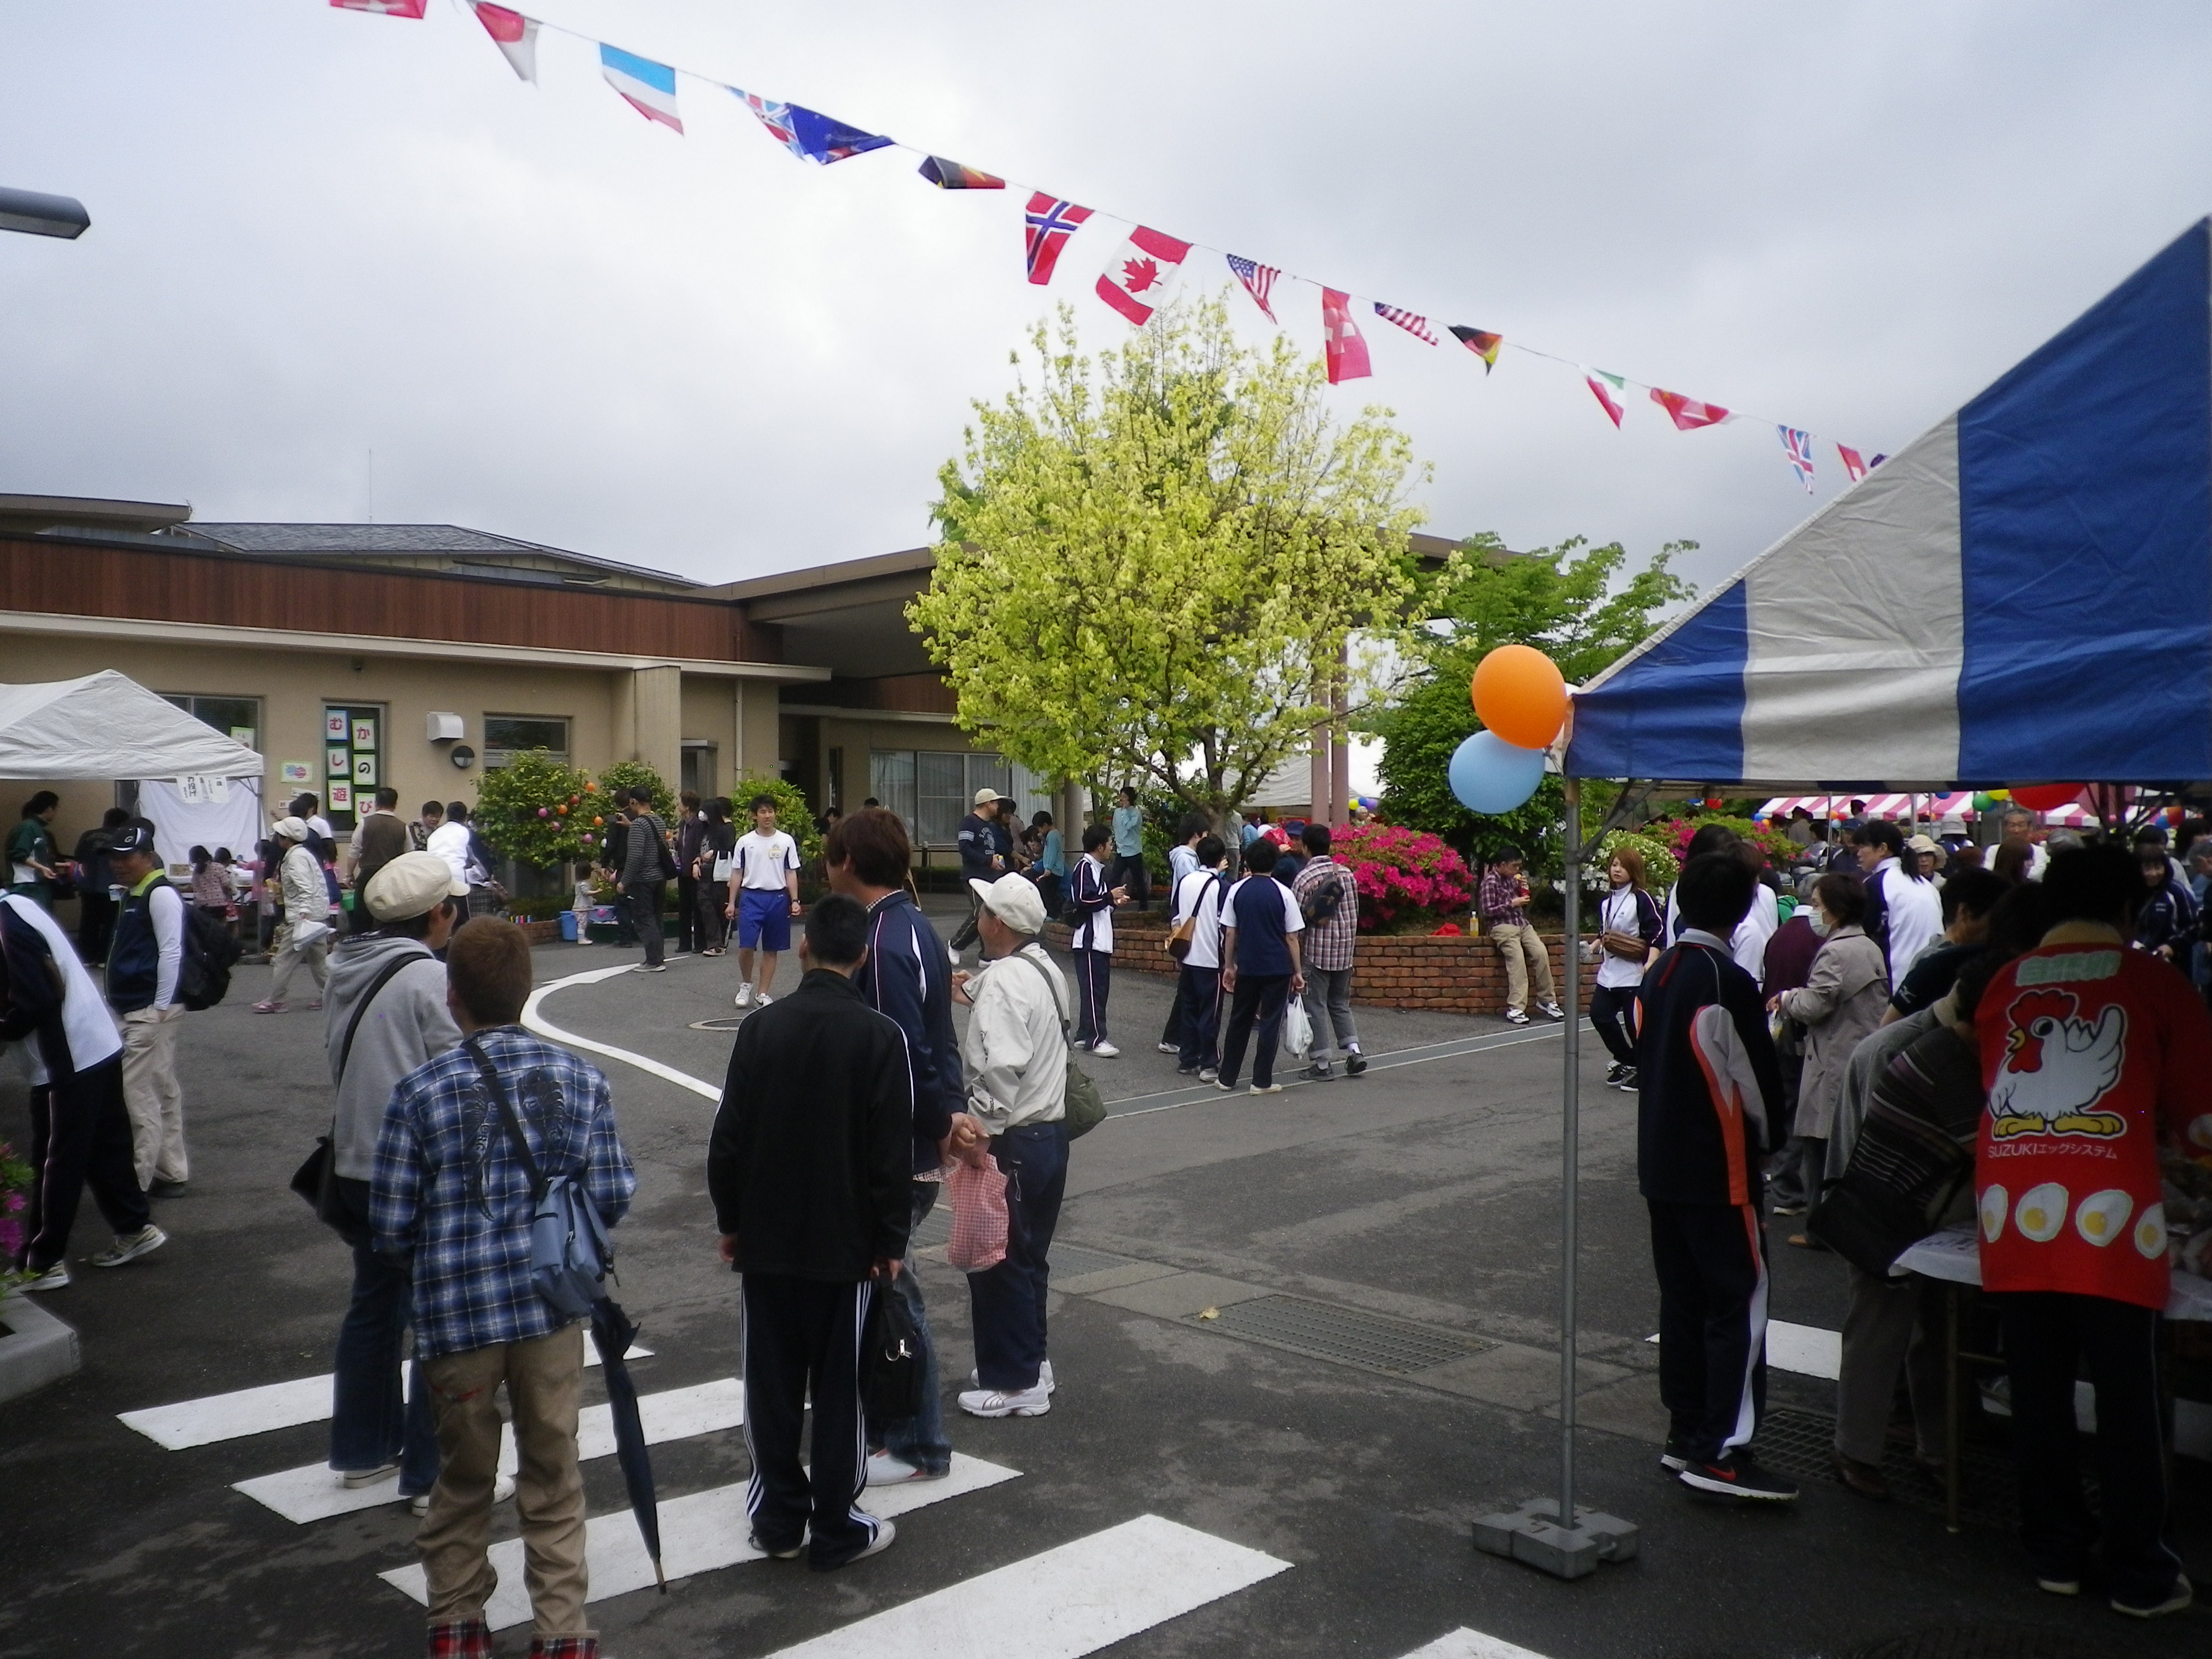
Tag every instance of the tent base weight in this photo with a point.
(1533, 1533)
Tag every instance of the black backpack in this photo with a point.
(211, 950)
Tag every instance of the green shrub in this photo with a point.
(536, 811)
(792, 816)
(636, 774)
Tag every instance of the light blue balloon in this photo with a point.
(1490, 775)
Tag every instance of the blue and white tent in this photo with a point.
(2022, 595)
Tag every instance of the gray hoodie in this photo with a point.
(407, 1025)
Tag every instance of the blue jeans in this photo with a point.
(372, 1421)
(920, 1439)
(1008, 1300)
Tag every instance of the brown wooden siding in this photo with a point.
(78, 579)
(906, 693)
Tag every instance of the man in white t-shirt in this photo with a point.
(764, 899)
(1199, 896)
(449, 839)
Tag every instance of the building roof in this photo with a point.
(449, 547)
(28, 514)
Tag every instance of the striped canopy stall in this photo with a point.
(1930, 808)
(2021, 595)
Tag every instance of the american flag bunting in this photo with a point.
(1416, 327)
(1259, 282)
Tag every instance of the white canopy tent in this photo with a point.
(106, 726)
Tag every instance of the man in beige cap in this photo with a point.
(305, 940)
(980, 860)
(387, 1015)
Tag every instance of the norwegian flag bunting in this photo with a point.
(515, 35)
(384, 7)
(950, 175)
(1416, 327)
(808, 134)
(1484, 346)
(1853, 466)
(1050, 223)
(1610, 390)
(1687, 413)
(1798, 446)
(1259, 282)
(1342, 343)
(1132, 284)
(648, 87)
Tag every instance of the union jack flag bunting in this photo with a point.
(384, 7)
(1416, 327)
(1483, 345)
(1050, 223)
(808, 134)
(1259, 282)
(1799, 447)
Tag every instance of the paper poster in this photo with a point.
(364, 734)
(364, 771)
(334, 724)
(340, 798)
(338, 763)
(242, 734)
(295, 771)
(190, 791)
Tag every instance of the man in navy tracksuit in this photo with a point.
(905, 976)
(1708, 1086)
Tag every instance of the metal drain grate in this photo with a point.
(1803, 1444)
(1073, 1261)
(1374, 1342)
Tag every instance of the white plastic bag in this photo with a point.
(1297, 1030)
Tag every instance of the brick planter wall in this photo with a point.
(541, 932)
(1406, 970)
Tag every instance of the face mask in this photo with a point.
(1818, 920)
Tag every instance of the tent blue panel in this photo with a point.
(2085, 480)
(1685, 702)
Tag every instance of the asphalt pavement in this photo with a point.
(1312, 1335)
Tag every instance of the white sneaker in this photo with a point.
(1553, 1010)
(886, 1534)
(1044, 1378)
(762, 999)
(354, 1479)
(1267, 1089)
(55, 1277)
(502, 1490)
(885, 1470)
(1167, 1048)
(1105, 1050)
(1515, 1017)
(1020, 1402)
(745, 997)
(145, 1241)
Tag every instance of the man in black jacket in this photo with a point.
(808, 1168)
(1708, 1087)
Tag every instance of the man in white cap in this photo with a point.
(145, 960)
(979, 856)
(387, 1016)
(1016, 1051)
(307, 901)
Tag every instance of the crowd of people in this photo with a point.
(1925, 1042)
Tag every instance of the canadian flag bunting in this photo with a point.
(1610, 390)
(515, 35)
(1133, 283)
(1687, 413)
(1855, 468)
(384, 7)
(1343, 344)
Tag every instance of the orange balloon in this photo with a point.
(1521, 696)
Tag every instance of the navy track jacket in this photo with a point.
(909, 978)
(1687, 1150)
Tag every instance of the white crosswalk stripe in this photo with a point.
(1806, 1350)
(314, 1492)
(700, 1533)
(1465, 1644)
(1065, 1603)
(231, 1416)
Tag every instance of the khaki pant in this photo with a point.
(544, 1377)
(289, 960)
(1892, 1322)
(1524, 955)
(152, 1095)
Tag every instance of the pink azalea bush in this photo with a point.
(1405, 878)
(15, 1177)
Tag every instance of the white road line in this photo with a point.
(1465, 1644)
(533, 1020)
(1065, 1603)
(1806, 1350)
(313, 1491)
(216, 1417)
(699, 1533)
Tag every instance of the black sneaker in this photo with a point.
(1626, 1081)
(1354, 1063)
(1736, 1476)
(1319, 1072)
(1613, 1076)
(2174, 1600)
(1674, 1457)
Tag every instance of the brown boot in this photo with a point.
(1865, 1479)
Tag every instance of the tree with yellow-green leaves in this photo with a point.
(1151, 563)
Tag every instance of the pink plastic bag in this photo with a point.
(977, 1193)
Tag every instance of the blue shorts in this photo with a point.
(763, 919)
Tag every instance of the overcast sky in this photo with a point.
(318, 233)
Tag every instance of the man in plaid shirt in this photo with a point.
(1328, 898)
(450, 1197)
(1503, 904)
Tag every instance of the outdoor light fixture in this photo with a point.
(42, 216)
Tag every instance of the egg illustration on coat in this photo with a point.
(2042, 1212)
(2150, 1232)
(1995, 1202)
(2103, 1216)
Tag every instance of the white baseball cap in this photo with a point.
(1014, 900)
(289, 829)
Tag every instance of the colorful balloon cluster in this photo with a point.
(1521, 697)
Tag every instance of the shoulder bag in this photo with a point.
(317, 1180)
(569, 1254)
(1083, 1108)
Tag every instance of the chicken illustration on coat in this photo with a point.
(2056, 1067)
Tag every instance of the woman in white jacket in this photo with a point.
(305, 935)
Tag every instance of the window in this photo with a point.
(940, 798)
(238, 717)
(933, 791)
(697, 774)
(890, 780)
(506, 736)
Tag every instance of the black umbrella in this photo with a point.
(613, 1333)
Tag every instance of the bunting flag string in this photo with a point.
(1149, 259)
